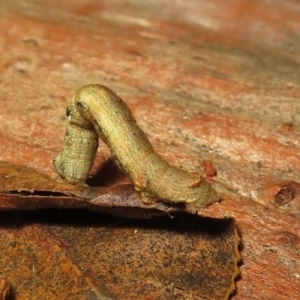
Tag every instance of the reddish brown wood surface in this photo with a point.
(207, 80)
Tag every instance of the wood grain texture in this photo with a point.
(226, 74)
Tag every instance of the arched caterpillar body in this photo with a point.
(96, 111)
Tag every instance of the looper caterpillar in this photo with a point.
(96, 111)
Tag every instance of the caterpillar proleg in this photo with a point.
(97, 112)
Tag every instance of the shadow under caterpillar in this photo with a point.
(97, 112)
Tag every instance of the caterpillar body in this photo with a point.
(97, 112)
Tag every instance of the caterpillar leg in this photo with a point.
(148, 199)
(196, 180)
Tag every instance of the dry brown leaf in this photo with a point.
(5, 290)
(86, 255)
(23, 188)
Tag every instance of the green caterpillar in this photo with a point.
(97, 112)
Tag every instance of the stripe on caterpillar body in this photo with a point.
(96, 111)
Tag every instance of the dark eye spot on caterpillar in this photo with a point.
(96, 111)
(80, 105)
(68, 112)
